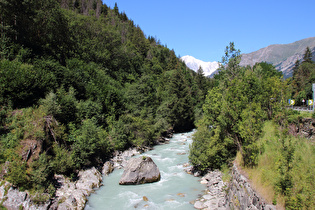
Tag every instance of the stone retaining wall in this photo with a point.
(240, 195)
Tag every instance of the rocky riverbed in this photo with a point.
(69, 194)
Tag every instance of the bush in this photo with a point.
(89, 144)
(17, 174)
(216, 150)
(89, 109)
(62, 162)
(42, 172)
(22, 84)
(50, 104)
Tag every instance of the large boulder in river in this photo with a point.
(139, 171)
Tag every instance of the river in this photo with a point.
(175, 190)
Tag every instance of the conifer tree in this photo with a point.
(296, 68)
(307, 56)
(116, 10)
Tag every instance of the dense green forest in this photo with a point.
(79, 80)
(244, 115)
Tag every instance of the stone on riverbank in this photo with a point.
(108, 168)
(73, 195)
(120, 159)
(215, 193)
(139, 171)
(12, 198)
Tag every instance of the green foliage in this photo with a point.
(21, 83)
(177, 106)
(303, 78)
(41, 172)
(89, 144)
(40, 197)
(89, 109)
(307, 56)
(131, 131)
(17, 174)
(236, 109)
(287, 166)
(68, 105)
(50, 104)
(62, 162)
(250, 129)
(210, 148)
(33, 24)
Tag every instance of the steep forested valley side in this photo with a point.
(79, 81)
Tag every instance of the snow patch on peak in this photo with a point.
(194, 64)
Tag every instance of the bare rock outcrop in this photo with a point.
(13, 199)
(139, 171)
(73, 195)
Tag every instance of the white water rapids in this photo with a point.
(175, 190)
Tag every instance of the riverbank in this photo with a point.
(215, 195)
(236, 193)
(70, 194)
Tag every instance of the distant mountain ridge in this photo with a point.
(282, 56)
(194, 64)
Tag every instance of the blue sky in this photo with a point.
(202, 28)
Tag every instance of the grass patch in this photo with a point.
(226, 177)
(285, 172)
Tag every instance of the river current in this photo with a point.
(175, 190)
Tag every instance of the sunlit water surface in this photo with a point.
(175, 190)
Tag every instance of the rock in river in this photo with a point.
(139, 171)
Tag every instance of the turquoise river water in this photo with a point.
(175, 190)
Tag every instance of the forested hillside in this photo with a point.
(79, 80)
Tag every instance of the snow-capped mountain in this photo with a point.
(194, 64)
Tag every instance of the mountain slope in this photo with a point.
(282, 56)
(194, 64)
